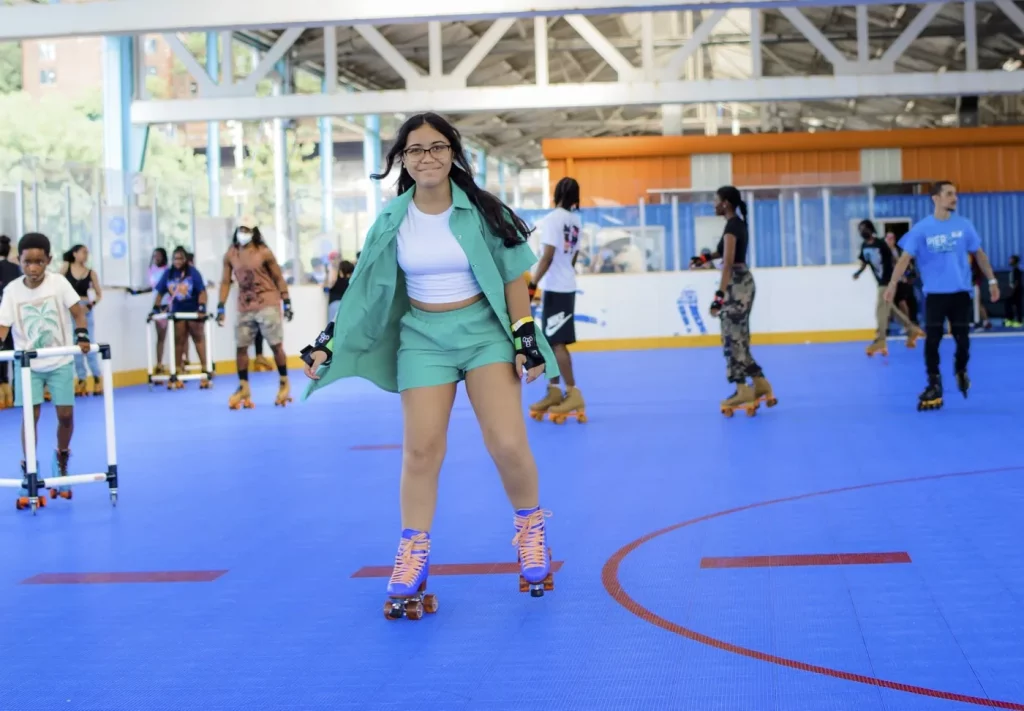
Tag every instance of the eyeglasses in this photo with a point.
(416, 153)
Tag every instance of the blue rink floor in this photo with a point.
(857, 554)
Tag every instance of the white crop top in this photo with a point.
(436, 268)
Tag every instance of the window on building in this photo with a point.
(151, 71)
(150, 45)
(47, 76)
(47, 52)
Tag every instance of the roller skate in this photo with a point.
(763, 391)
(46, 394)
(914, 335)
(6, 395)
(206, 383)
(407, 594)
(81, 388)
(284, 393)
(931, 398)
(262, 364)
(242, 398)
(534, 555)
(571, 406)
(24, 502)
(879, 345)
(743, 399)
(963, 383)
(59, 467)
(554, 397)
(97, 386)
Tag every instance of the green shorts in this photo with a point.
(440, 348)
(60, 383)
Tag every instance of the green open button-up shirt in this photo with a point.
(366, 329)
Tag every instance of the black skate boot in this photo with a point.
(963, 382)
(931, 398)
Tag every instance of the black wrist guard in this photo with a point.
(288, 313)
(323, 343)
(201, 309)
(525, 338)
(719, 300)
(81, 335)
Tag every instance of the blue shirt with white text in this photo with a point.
(941, 249)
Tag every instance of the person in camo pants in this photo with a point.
(733, 302)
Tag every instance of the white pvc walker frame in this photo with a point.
(197, 372)
(31, 480)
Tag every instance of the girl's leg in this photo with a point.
(496, 395)
(180, 345)
(198, 335)
(426, 412)
(93, 358)
(161, 339)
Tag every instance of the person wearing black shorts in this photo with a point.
(555, 278)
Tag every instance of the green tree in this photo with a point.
(10, 67)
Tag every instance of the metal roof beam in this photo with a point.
(130, 17)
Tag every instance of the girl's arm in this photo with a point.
(727, 260)
(517, 299)
(96, 286)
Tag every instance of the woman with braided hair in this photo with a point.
(733, 302)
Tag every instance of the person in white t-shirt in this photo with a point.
(34, 309)
(555, 283)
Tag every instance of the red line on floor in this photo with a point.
(169, 576)
(784, 561)
(374, 447)
(613, 585)
(384, 571)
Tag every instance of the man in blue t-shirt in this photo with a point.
(940, 245)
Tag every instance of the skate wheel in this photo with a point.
(537, 415)
(727, 412)
(67, 494)
(414, 610)
(581, 418)
(430, 604)
(549, 582)
(523, 584)
(771, 402)
(53, 493)
(751, 411)
(392, 611)
(558, 419)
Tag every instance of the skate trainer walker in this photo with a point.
(59, 486)
(175, 381)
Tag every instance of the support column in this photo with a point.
(502, 193)
(124, 145)
(281, 190)
(517, 191)
(213, 127)
(326, 171)
(672, 120)
(371, 164)
(481, 168)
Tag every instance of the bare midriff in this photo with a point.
(451, 306)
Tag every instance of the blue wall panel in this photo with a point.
(999, 218)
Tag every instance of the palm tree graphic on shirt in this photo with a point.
(42, 324)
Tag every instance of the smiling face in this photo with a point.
(427, 156)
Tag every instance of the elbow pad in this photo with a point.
(323, 343)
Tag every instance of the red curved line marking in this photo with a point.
(612, 584)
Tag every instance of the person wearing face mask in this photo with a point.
(875, 253)
(438, 297)
(261, 292)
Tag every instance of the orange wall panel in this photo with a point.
(622, 181)
(974, 169)
(796, 168)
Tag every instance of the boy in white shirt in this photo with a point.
(555, 275)
(34, 309)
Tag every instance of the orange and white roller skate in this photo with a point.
(915, 334)
(540, 408)
(241, 398)
(81, 388)
(763, 391)
(743, 399)
(23, 502)
(879, 345)
(572, 406)
(262, 364)
(284, 392)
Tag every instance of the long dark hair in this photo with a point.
(158, 252)
(5, 246)
(567, 194)
(502, 221)
(69, 256)
(729, 194)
